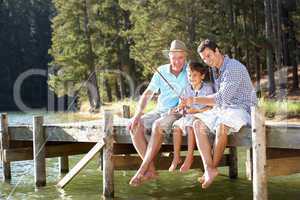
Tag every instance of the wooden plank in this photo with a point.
(283, 137)
(68, 149)
(80, 165)
(277, 136)
(4, 142)
(283, 166)
(233, 163)
(39, 159)
(108, 164)
(259, 155)
(273, 153)
(64, 164)
(249, 164)
(26, 153)
(133, 162)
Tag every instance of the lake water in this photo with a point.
(88, 184)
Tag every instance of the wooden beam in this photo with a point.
(277, 136)
(259, 155)
(26, 153)
(133, 162)
(249, 164)
(108, 164)
(233, 163)
(80, 165)
(283, 166)
(4, 142)
(273, 153)
(39, 159)
(64, 164)
(126, 111)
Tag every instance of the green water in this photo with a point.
(88, 184)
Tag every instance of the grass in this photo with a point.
(287, 109)
(273, 109)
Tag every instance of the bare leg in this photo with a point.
(140, 143)
(220, 144)
(177, 138)
(204, 148)
(144, 172)
(190, 153)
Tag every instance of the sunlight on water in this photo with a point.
(88, 184)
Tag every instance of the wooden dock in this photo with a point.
(273, 149)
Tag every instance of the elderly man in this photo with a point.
(169, 80)
(232, 101)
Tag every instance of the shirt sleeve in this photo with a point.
(228, 86)
(154, 84)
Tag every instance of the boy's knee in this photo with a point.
(199, 125)
(176, 131)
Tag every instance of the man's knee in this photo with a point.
(137, 130)
(156, 128)
(222, 130)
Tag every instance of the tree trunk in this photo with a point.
(269, 53)
(294, 57)
(108, 90)
(117, 88)
(281, 71)
(92, 84)
(93, 92)
(256, 50)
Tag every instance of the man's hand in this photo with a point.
(134, 122)
(192, 110)
(189, 101)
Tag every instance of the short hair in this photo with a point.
(196, 66)
(207, 43)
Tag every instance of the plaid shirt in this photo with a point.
(233, 85)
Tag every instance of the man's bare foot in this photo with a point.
(174, 164)
(137, 180)
(186, 164)
(209, 176)
(150, 175)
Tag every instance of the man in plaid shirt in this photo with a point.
(232, 101)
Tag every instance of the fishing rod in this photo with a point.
(153, 69)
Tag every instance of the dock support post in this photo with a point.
(259, 155)
(126, 111)
(6, 171)
(108, 164)
(249, 164)
(39, 143)
(64, 164)
(233, 163)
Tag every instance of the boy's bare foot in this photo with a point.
(209, 176)
(186, 164)
(174, 164)
(201, 179)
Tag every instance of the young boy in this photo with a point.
(183, 126)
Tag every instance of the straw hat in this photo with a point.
(177, 46)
